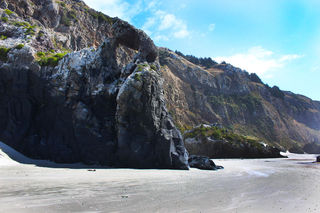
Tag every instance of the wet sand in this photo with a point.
(258, 185)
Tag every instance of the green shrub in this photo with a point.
(4, 19)
(8, 12)
(4, 53)
(100, 16)
(141, 66)
(137, 77)
(51, 60)
(63, 4)
(72, 14)
(65, 20)
(19, 46)
(21, 24)
(153, 67)
(3, 37)
(30, 30)
(40, 34)
(41, 54)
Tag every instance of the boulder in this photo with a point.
(201, 162)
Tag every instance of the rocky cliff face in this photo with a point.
(101, 105)
(57, 25)
(221, 93)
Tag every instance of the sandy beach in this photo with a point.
(254, 185)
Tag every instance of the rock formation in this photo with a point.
(96, 106)
(216, 142)
(202, 162)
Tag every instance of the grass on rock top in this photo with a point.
(222, 134)
(4, 19)
(30, 29)
(50, 58)
(4, 53)
(8, 12)
(19, 46)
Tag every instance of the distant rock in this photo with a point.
(296, 150)
(312, 148)
(201, 162)
(216, 142)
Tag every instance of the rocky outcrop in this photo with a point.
(201, 162)
(146, 134)
(216, 142)
(202, 91)
(97, 106)
(59, 25)
(312, 148)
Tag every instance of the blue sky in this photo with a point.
(277, 39)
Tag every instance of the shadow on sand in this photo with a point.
(10, 155)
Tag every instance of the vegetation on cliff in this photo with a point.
(217, 142)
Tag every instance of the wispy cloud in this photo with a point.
(119, 8)
(163, 26)
(259, 60)
(159, 24)
(212, 27)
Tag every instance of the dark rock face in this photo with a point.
(103, 106)
(201, 162)
(296, 150)
(146, 133)
(318, 159)
(136, 39)
(312, 148)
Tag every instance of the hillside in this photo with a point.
(241, 102)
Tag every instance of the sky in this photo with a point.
(277, 39)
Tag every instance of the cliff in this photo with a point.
(209, 93)
(102, 105)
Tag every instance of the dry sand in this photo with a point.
(263, 185)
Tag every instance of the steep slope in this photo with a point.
(96, 106)
(56, 25)
(221, 93)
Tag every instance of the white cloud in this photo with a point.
(161, 25)
(183, 33)
(116, 8)
(164, 25)
(212, 27)
(259, 60)
(161, 38)
(290, 57)
(167, 21)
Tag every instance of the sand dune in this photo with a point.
(256, 185)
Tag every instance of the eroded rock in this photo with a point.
(201, 162)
